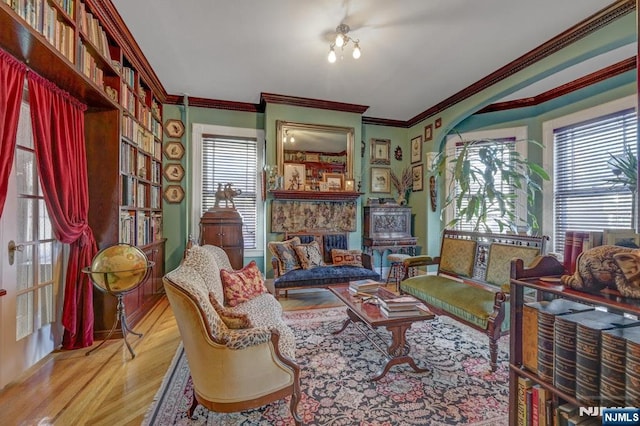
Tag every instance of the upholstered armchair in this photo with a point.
(232, 369)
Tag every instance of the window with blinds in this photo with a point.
(585, 199)
(232, 160)
(508, 145)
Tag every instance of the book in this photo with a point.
(564, 412)
(568, 246)
(398, 314)
(530, 335)
(544, 405)
(535, 417)
(524, 383)
(592, 239)
(392, 301)
(612, 366)
(546, 320)
(367, 286)
(632, 371)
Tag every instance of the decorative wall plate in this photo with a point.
(174, 172)
(174, 128)
(173, 194)
(174, 150)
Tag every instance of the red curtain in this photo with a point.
(11, 83)
(58, 132)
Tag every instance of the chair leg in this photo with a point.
(194, 404)
(295, 400)
(493, 353)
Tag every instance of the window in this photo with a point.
(230, 155)
(513, 139)
(585, 199)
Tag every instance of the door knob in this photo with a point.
(13, 248)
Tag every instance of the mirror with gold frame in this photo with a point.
(320, 148)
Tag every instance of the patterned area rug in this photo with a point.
(458, 389)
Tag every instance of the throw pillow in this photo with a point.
(234, 320)
(242, 285)
(346, 257)
(286, 255)
(309, 255)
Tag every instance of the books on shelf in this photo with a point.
(366, 286)
(613, 360)
(530, 335)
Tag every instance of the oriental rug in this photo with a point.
(458, 389)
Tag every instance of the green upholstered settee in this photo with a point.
(472, 279)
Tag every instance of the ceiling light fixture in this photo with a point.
(341, 40)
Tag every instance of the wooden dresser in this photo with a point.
(222, 227)
(387, 227)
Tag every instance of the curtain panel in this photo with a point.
(11, 82)
(58, 131)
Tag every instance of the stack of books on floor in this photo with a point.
(393, 305)
(364, 287)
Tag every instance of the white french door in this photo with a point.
(30, 266)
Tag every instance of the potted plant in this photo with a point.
(484, 180)
(625, 171)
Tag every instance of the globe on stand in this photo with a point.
(117, 270)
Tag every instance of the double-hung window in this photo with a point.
(584, 196)
(230, 155)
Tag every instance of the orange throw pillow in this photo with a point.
(242, 285)
(346, 257)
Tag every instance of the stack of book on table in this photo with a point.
(364, 287)
(393, 305)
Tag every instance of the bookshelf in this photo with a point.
(609, 301)
(84, 47)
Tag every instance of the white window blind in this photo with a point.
(508, 145)
(584, 199)
(232, 160)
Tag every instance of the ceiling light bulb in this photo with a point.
(332, 56)
(292, 139)
(356, 51)
(340, 40)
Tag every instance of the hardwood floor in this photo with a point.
(108, 387)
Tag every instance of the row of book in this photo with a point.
(93, 30)
(536, 408)
(137, 228)
(575, 242)
(584, 352)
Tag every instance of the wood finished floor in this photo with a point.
(108, 387)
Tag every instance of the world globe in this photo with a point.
(119, 268)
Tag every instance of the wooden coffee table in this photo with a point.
(397, 351)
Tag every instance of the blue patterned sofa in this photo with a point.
(304, 260)
(472, 280)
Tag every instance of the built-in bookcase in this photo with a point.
(84, 48)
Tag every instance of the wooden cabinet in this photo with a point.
(387, 225)
(84, 48)
(528, 279)
(222, 227)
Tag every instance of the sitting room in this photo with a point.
(336, 212)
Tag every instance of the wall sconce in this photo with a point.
(288, 137)
(341, 40)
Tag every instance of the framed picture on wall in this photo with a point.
(428, 132)
(416, 149)
(381, 151)
(417, 175)
(380, 179)
(294, 176)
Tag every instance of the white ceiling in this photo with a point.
(415, 53)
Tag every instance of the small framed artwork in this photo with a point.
(416, 149)
(417, 177)
(174, 128)
(380, 179)
(174, 172)
(381, 151)
(173, 194)
(349, 185)
(324, 186)
(312, 157)
(294, 176)
(438, 123)
(621, 237)
(334, 181)
(428, 132)
(174, 150)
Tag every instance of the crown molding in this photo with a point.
(578, 31)
(214, 103)
(586, 81)
(273, 98)
(384, 122)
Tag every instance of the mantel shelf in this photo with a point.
(316, 195)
